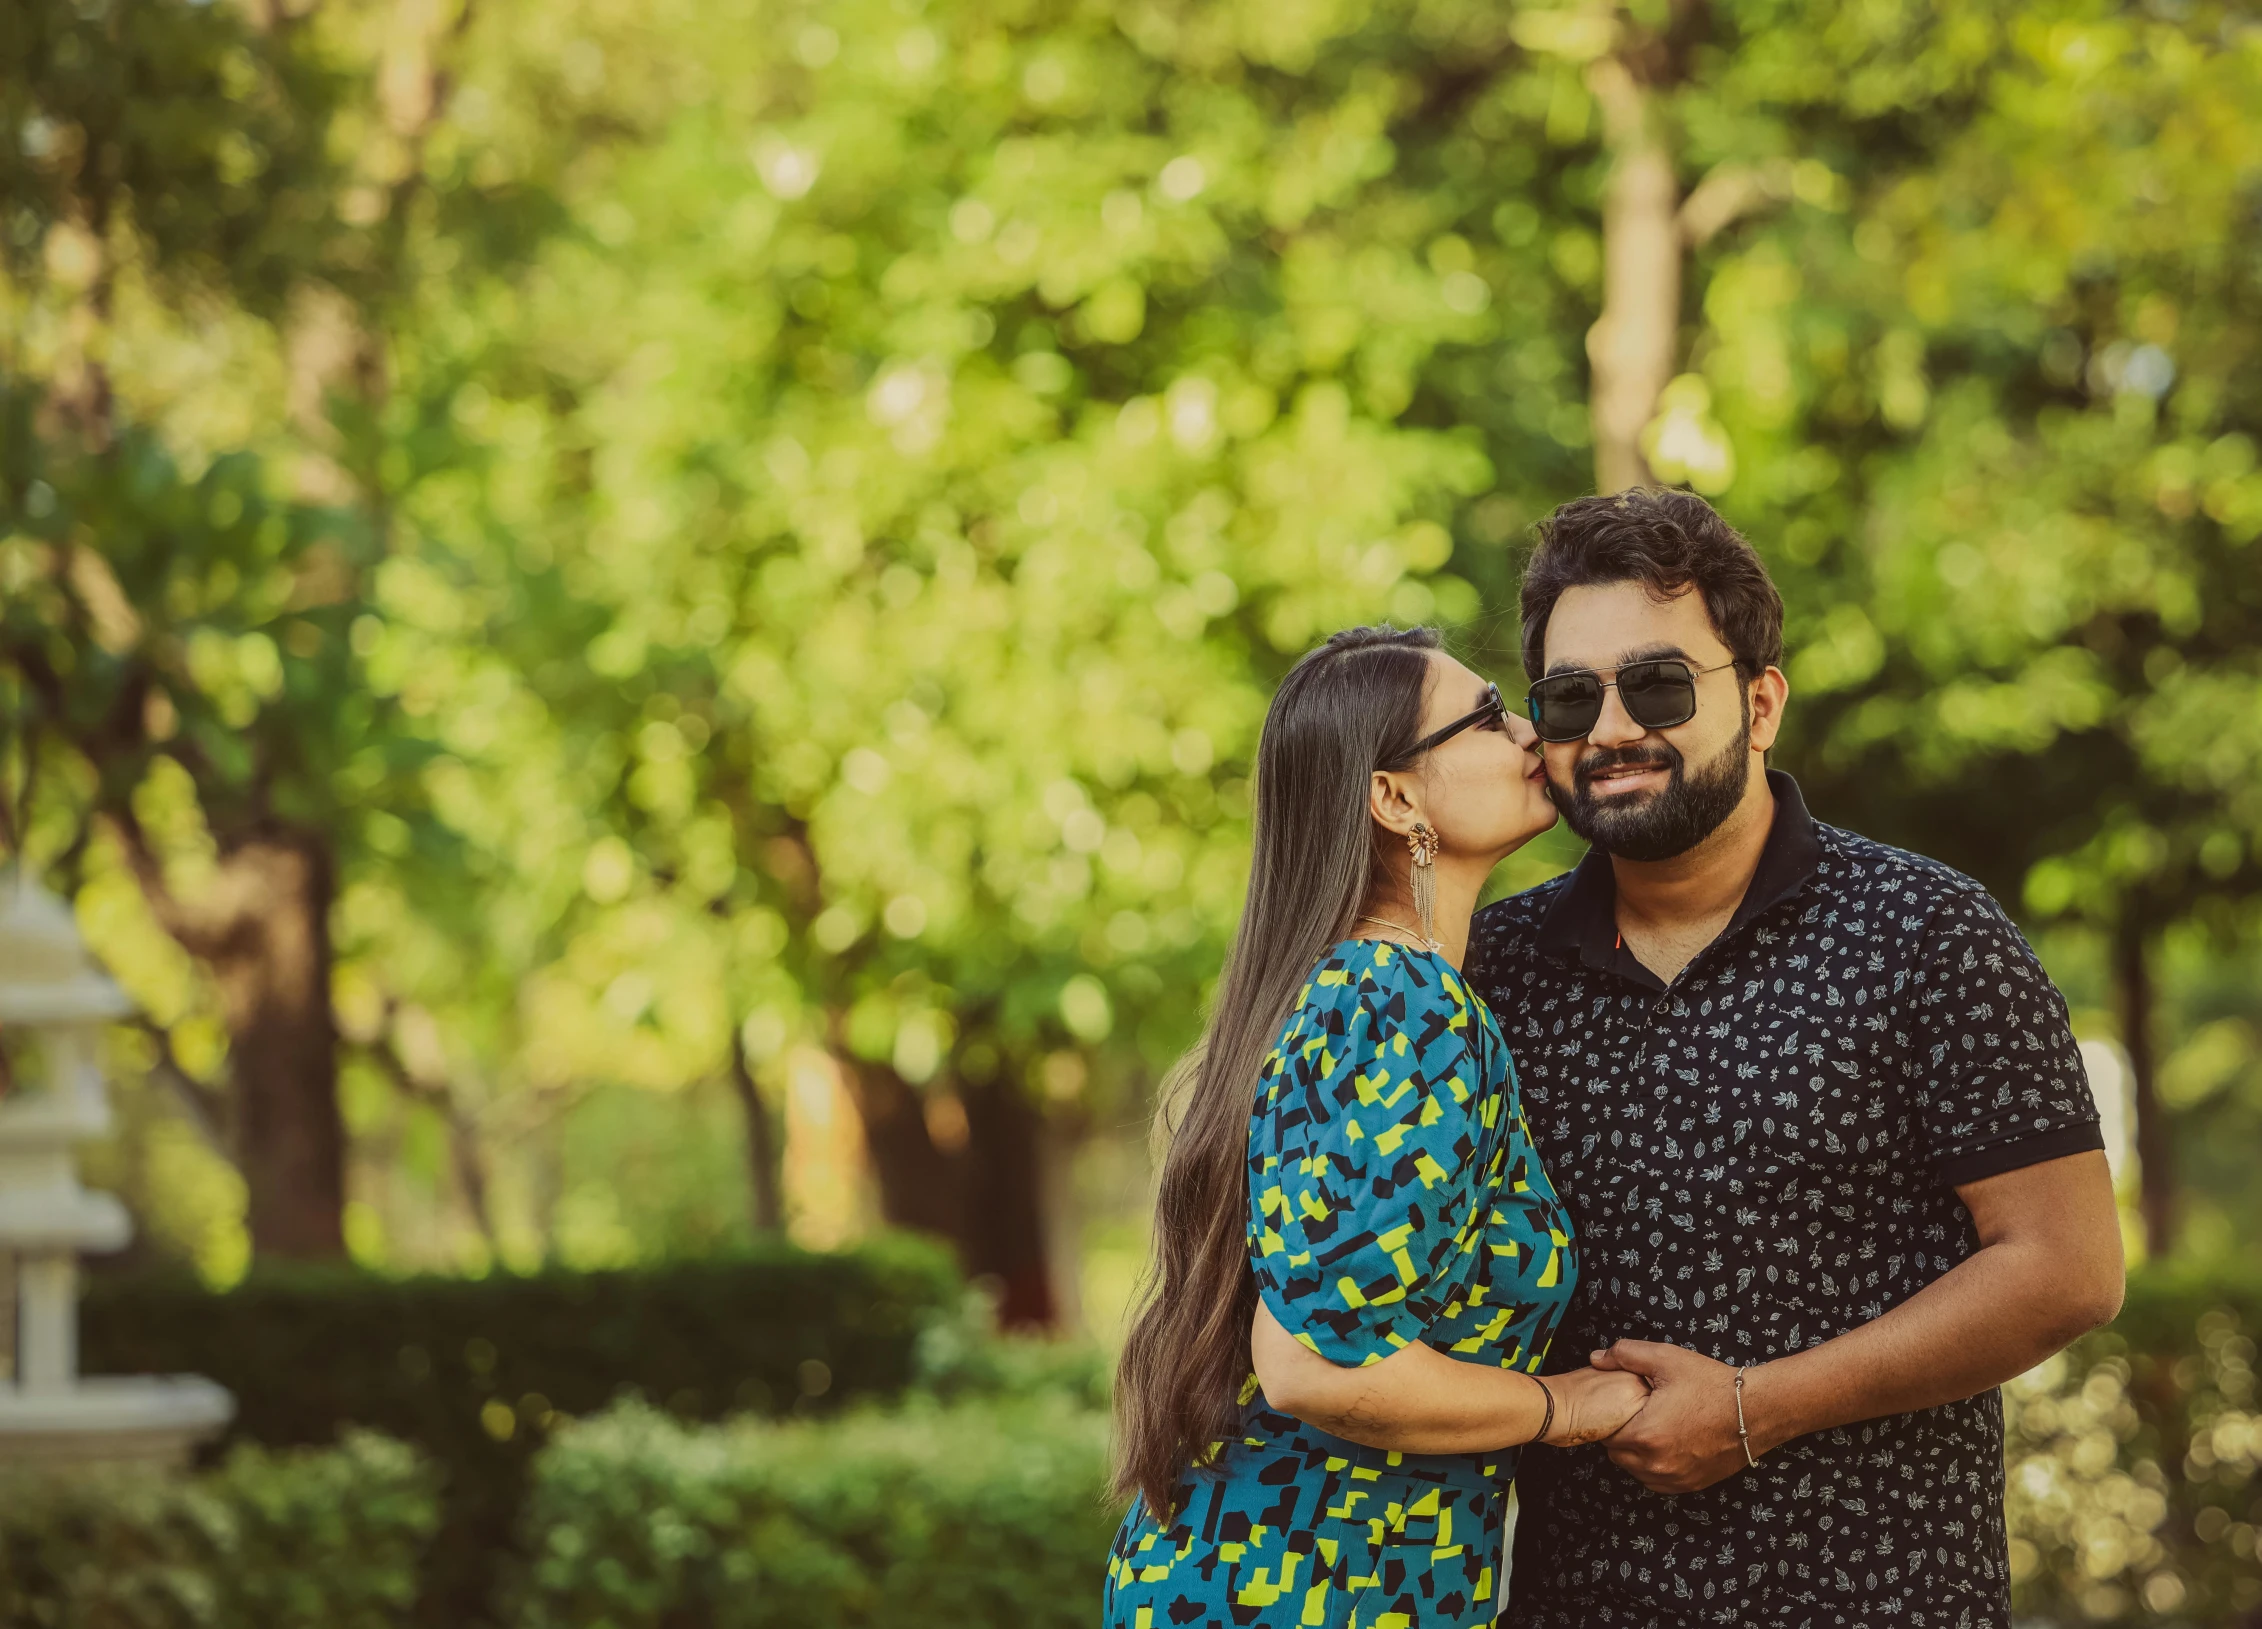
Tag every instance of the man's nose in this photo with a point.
(1616, 726)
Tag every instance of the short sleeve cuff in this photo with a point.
(1346, 1342)
(2019, 1154)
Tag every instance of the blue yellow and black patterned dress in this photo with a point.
(1393, 1197)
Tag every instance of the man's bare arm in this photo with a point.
(2048, 1269)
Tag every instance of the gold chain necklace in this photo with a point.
(1435, 948)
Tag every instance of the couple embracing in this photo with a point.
(1729, 1173)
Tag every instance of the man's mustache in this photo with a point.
(1594, 763)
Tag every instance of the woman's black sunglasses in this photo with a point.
(1489, 713)
(1657, 696)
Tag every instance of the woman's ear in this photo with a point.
(1394, 800)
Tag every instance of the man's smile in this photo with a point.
(1618, 778)
(1625, 777)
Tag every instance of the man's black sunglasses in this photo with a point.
(1489, 713)
(1657, 694)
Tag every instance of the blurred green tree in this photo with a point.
(184, 646)
(169, 152)
(1954, 307)
(773, 527)
(2042, 660)
(982, 414)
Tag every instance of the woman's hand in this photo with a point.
(1590, 1405)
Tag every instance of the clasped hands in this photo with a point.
(1667, 1415)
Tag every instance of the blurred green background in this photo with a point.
(639, 627)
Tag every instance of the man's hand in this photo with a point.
(1686, 1438)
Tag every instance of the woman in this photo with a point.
(1359, 1261)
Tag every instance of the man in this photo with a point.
(1818, 1116)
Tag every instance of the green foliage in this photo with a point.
(2131, 1489)
(985, 1515)
(211, 631)
(307, 1539)
(962, 1358)
(813, 497)
(2132, 1479)
(2211, 1082)
(192, 128)
(475, 1372)
(1072, 382)
(2002, 403)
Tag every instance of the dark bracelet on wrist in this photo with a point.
(1547, 1420)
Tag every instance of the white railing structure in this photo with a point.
(53, 1003)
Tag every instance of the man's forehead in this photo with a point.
(1611, 623)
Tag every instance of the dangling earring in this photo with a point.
(1424, 841)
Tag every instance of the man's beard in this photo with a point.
(1664, 824)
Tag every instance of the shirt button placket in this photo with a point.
(1653, 1008)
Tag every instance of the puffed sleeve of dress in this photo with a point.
(1369, 1150)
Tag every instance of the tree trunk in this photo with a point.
(1631, 347)
(763, 1156)
(987, 1197)
(2155, 1151)
(1005, 1218)
(80, 395)
(921, 1186)
(272, 971)
(1065, 1129)
(469, 1158)
(261, 927)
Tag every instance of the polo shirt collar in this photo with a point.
(1583, 921)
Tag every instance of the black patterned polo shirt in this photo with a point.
(1760, 1156)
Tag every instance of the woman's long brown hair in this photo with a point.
(1349, 708)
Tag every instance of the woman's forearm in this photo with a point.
(1416, 1401)
(1432, 1404)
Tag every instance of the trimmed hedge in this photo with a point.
(2134, 1478)
(2132, 1489)
(962, 1359)
(475, 1371)
(305, 1539)
(980, 1515)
